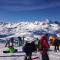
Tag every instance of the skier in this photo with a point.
(12, 41)
(11, 48)
(44, 46)
(20, 41)
(28, 48)
(56, 44)
(7, 43)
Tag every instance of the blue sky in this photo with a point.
(23, 10)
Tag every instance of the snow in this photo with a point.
(9, 28)
(20, 56)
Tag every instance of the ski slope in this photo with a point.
(20, 55)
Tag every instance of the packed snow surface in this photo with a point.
(20, 55)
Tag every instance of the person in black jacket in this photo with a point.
(28, 49)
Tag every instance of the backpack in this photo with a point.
(29, 47)
(33, 47)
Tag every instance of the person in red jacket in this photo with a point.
(45, 47)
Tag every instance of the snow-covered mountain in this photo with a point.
(25, 28)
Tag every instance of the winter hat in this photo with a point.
(29, 39)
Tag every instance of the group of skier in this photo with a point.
(42, 46)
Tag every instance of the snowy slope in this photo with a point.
(20, 56)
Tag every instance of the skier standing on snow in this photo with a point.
(7, 43)
(20, 41)
(28, 48)
(12, 41)
(44, 46)
(56, 44)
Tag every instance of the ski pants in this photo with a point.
(56, 47)
(45, 57)
(28, 56)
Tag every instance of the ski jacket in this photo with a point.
(45, 45)
(29, 47)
